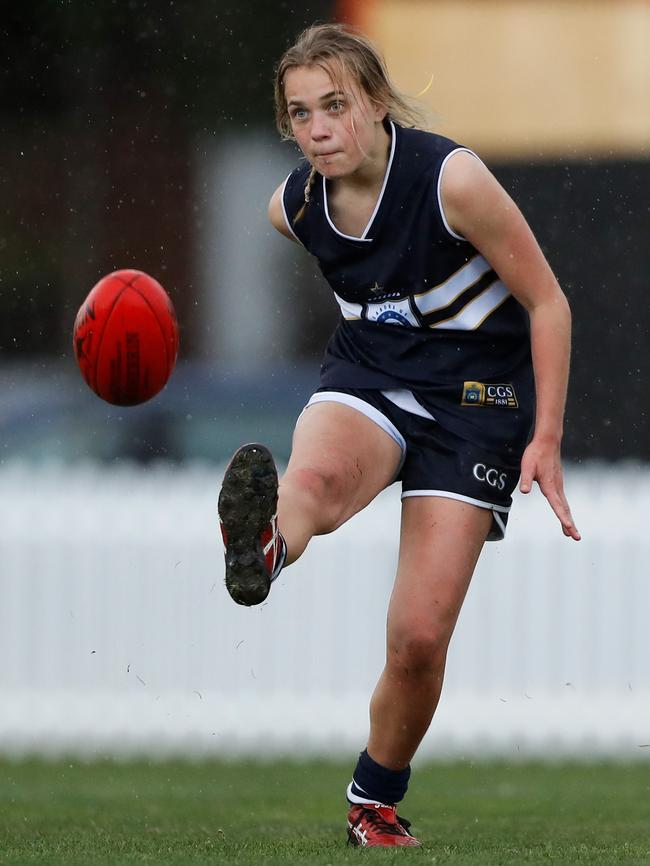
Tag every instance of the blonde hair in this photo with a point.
(343, 52)
(340, 49)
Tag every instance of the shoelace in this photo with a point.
(377, 820)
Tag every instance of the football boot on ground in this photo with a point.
(255, 550)
(373, 824)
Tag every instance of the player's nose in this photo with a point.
(320, 128)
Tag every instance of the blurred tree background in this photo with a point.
(101, 103)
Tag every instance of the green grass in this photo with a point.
(282, 813)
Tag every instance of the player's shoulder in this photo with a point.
(427, 142)
(293, 188)
(301, 171)
(278, 215)
(423, 154)
(292, 196)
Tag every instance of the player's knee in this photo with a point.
(325, 488)
(418, 652)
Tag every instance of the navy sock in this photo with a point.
(372, 783)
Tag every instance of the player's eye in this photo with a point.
(298, 113)
(337, 105)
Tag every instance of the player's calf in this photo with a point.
(254, 548)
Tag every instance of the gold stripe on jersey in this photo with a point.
(476, 311)
(493, 310)
(446, 293)
(465, 298)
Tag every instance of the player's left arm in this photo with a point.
(477, 207)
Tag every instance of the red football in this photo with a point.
(126, 338)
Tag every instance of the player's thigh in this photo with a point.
(352, 455)
(440, 543)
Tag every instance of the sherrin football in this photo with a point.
(126, 338)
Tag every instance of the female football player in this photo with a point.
(454, 336)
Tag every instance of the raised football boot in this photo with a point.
(379, 826)
(255, 549)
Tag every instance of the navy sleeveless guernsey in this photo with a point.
(421, 309)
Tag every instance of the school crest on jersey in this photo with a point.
(391, 313)
(481, 394)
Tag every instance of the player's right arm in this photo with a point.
(276, 214)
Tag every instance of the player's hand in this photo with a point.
(541, 463)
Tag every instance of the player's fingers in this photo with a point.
(558, 502)
(568, 526)
(527, 476)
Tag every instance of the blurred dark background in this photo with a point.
(105, 112)
(101, 107)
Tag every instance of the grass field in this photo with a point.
(283, 813)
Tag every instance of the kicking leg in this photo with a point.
(340, 461)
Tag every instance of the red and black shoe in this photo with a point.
(255, 550)
(373, 824)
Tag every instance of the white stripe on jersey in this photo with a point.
(349, 310)
(446, 293)
(474, 314)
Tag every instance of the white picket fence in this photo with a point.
(117, 635)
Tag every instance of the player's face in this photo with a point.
(338, 131)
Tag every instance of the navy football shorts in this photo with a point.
(435, 462)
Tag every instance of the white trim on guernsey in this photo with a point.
(454, 286)
(349, 310)
(284, 210)
(439, 190)
(474, 314)
(405, 400)
(445, 494)
(381, 195)
(365, 408)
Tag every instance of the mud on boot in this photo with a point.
(255, 551)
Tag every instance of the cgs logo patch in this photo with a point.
(480, 394)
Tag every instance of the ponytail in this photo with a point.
(308, 188)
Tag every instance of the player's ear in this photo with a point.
(380, 111)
